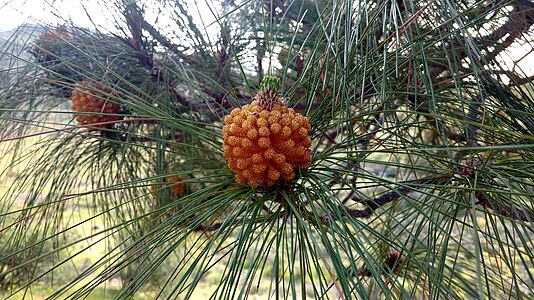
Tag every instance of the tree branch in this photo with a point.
(504, 210)
(174, 48)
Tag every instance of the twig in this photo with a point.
(520, 19)
(212, 227)
(378, 202)
(174, 48)
(504, 210)
(472, 115)
(134, 19)
(148, 139)
(222, 58)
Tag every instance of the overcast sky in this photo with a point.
(16, 12)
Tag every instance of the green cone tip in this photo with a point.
(270, 83)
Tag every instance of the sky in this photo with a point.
(15, 12)
(53, 12)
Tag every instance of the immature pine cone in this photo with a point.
(264, 142)
(87, 98)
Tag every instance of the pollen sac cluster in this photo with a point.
(265, 146)
(96, 101)
(172, 184)
(176, 186)
(49, 43)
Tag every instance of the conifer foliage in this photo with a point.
(273, 149)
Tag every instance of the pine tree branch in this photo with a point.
(504, 210)
(376, 203)
(515, 79)
(520, 19)
(174, 48)
(134, 18)
(472, 115)
(518, 23)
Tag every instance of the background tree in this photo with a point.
(421, 176)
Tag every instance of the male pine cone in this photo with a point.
(174, 183)
(264, 142)
(96, 102)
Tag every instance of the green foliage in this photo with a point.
(420, 183)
